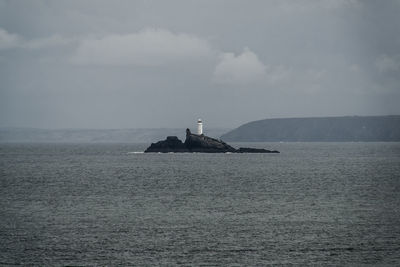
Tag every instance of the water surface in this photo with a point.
(101, 204)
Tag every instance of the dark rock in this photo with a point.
(199, 143)
(171, 144)
(255, 150)
(205, 144)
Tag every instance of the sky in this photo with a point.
(154, 64)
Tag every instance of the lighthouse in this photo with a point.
(199, 127)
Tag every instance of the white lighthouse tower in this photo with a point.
(199, 127)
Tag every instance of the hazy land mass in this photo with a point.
(323, 129)
(32, 135)
(318, 129)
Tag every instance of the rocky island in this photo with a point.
(199, 143)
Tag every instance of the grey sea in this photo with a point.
(106, 205)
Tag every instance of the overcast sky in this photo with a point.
(140, 64)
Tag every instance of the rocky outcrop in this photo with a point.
(171, 144)
(205, 144)
(200, 144)
(255, 150)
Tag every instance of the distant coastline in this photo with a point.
(140, 135)
(313, 129)
(319, 129)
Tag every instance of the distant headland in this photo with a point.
(199, 143)
(323, 129)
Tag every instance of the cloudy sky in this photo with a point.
(140, 64)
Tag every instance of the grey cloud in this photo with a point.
(12, 40)
(384, 63)
(149, 47)
(245, 68)
(8, 40)
(47, 42)
(127, 63)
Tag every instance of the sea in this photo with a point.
(112, 205)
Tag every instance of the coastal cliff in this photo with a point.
(200, 144)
